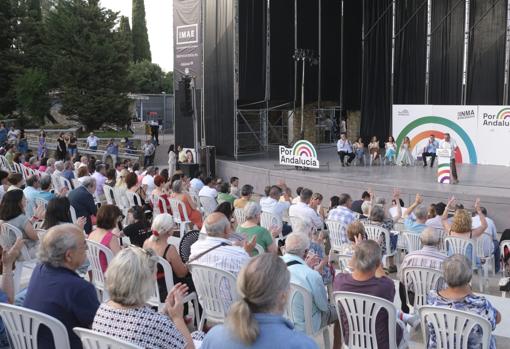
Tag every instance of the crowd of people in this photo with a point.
(58, 222)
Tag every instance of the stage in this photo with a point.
(489, 183)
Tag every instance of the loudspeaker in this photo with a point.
(208, 160)
(189, 170)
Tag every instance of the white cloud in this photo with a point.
(158, 14)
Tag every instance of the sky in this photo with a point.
(158, 14)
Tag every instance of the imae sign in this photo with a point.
(301, 154)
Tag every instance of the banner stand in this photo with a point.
(444, 171)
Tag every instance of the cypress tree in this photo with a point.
(141, 46)
(7, 57)
(125, 32)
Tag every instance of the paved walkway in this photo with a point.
(161, 158)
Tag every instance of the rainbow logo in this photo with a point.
(455, 128)
(503, 114)
(304, 148)
(443, 173)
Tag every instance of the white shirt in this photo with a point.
(491, 233)
(196, 185)
(296, 200)
(148, 180)
(305, 212)
(451, 145)
(277, 208)
(344, 145)
(436, 222)
(207, 191)
(92, 141)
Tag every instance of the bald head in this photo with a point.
(429, 237)
(217, 224)
(57, 241)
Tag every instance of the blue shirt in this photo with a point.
(413, 226)
(4, 342)
(304, 276)
(432, 146)
(3, 135)
(30, 194)
(275, 332)
(61, 293)
(45, 195)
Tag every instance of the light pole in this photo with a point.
(304, 56)
(164, 109)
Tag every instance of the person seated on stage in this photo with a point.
(405, 157)
(430, 150)
(457, 271)
(304, 211)
(273, 205)
(356, 204)
(420, 212)
(359, 150)
(343, 214)
(344, 148)
(391, 150)
(374, 148)
(429, 256)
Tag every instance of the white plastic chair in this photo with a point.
(72, 211)
(178, 208)
(269, 220)
(22, 325)
(361, 312)
(486, 262)
(95, 340)
(108, 194)
(133, 199)
(41, 202)
(297, 291)
(216, 290)
(337, 234)
(260, 250)
(452, 327)
(8, 236)
(374, 232)
(504, 244)
(17, 168)
(76, 183)
(422, 280)
(155, 300)
(239, 215)
(456, 245)
(412, 241)
(4, 164)
(55, 181)
(65, 183)
(119, 195)
(98, 279)
(209, 204)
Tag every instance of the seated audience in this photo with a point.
(436, 222)
(209, 189)
(134, 187)
(121, 179)
(82, 200)
(305, 212)
(420, 212)
(31, 192)
(148, 180)
(356, 204)
(100, 176)
(246, 193)
(111, 177)
(68, 172)
(251, 227)
(368, 278)
(192, 211)
(4, 183)
(46, 187)
(343, 213)
(16, 181)
(256, 320)
(126, 316)
(272, 204)
(197, 183)
(302, 273)
(58, 212)
(224, 194)
(107, 232)
(429, 256)
(234, 187)
(56, 289)
(138, 229)
(59, 168)
(490, 236)
(459, 295)
(355, 233)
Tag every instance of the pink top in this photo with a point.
(102, 258)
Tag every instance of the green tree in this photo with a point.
(168, 82)
(7, 57)
(125, 31)
(89, 62)
(141, 46)
(32, 94)
(146, 77)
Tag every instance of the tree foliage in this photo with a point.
(32, 94)
(147, 77)
(141, 46)
(127, 36)
(7, 57)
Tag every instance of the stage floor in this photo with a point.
(490, 183)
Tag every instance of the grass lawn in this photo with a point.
(107, 134)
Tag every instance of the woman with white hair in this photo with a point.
(256, 319)
(129, 281)
(457, 273)
(251, 227)
(162, 228)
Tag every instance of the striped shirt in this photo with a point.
(428, 257)
(345, 216)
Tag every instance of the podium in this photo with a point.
(444, 170)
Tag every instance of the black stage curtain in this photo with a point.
(376, 104)
(308, 38)
(330, 46)
(447, 45)
(282, 49)
(352, 54)
(252, 50)
(486, 60)
(219, 74)
(410, 51)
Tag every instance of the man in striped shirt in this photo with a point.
(428, 257)
(343, 214)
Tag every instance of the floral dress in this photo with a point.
(471, 303)
(405, 158)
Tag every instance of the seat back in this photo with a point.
(412, 241)
(72, 211)
(456, 245)
(23, 324)
(93, 253)
(292, 311)
(239, 215)
(8, 235)
(17, 168)
(216, 290)
(452, 327)
(4, 164)
(361, 312)
(76, 183)
(108, 194)
(375, 231)
(269, 220)
(423, 280)
(55, 181)
(337, 233)
(187, 240)
(178, 211)
(130, 196)
(95, 340)
(155, 299)
(64, 183)
(209, 204)
(41, 202)
(119, 195)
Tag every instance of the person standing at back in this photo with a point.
(92, 141)
(451, 145)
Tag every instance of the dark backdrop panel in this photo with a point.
(282, 49)
(219, 75)
(330, 45)
(353, 18)
(376, 104)
(410, 51)
(308, 38)
(252, 50)
(486, 62)
(447, 45)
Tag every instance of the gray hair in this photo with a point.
(457, 270)
(365, 207)
(380, 201)
(56, 242)
(421, 213)
(130, 276)
(367, 256)
(59, 165)
(377, 214)
(252, 210)
(297, 244)
(177, 186)
(88, 181)
(50, 162)
(216, 224)
(45, 182)
(163, 223)
(429, 237)
(343, 199)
